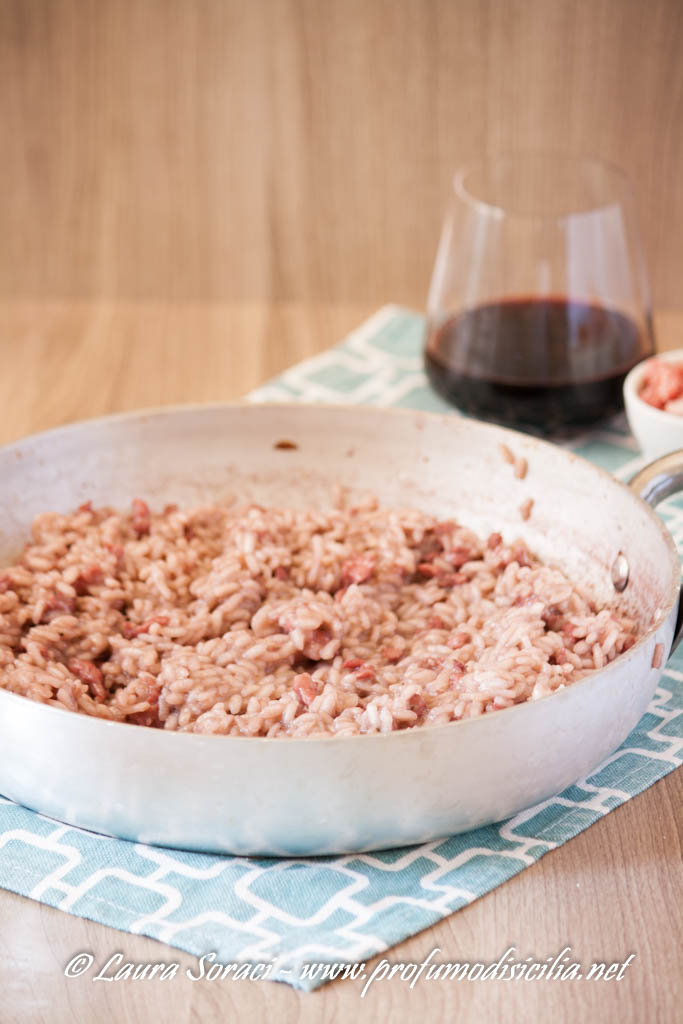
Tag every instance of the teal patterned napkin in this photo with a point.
(290, 913)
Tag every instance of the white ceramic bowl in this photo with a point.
(657, 432)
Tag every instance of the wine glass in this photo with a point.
(539, 302)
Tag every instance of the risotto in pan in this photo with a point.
(252, 621)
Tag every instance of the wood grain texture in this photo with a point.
(229, 150)
(612, 891)
(77, 360)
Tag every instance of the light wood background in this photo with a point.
(251, 150)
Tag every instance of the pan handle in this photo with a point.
(655, 482)
(660, 479)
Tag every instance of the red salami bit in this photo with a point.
(281, 573)
(435, 622)
(416, 703)
(494, 541)
(59, 602)
(353, 663)
(451, 579)
(357, 569)
(306, 688)
(89, 674)
(130, 630)
(117, 552)
(520, 601)
(662, 383)
(92, 574)
(317, 642)
(521, 556)
(150, 717)
(365, 673)
(459, 640)
(392, 653)
(140, 517)
(458, 556)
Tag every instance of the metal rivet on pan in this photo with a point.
(620, 571)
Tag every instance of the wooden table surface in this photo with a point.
(614, 890)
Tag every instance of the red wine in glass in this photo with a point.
(539, 303)
(548, 365)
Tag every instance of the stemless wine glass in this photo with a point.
(539, 303)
